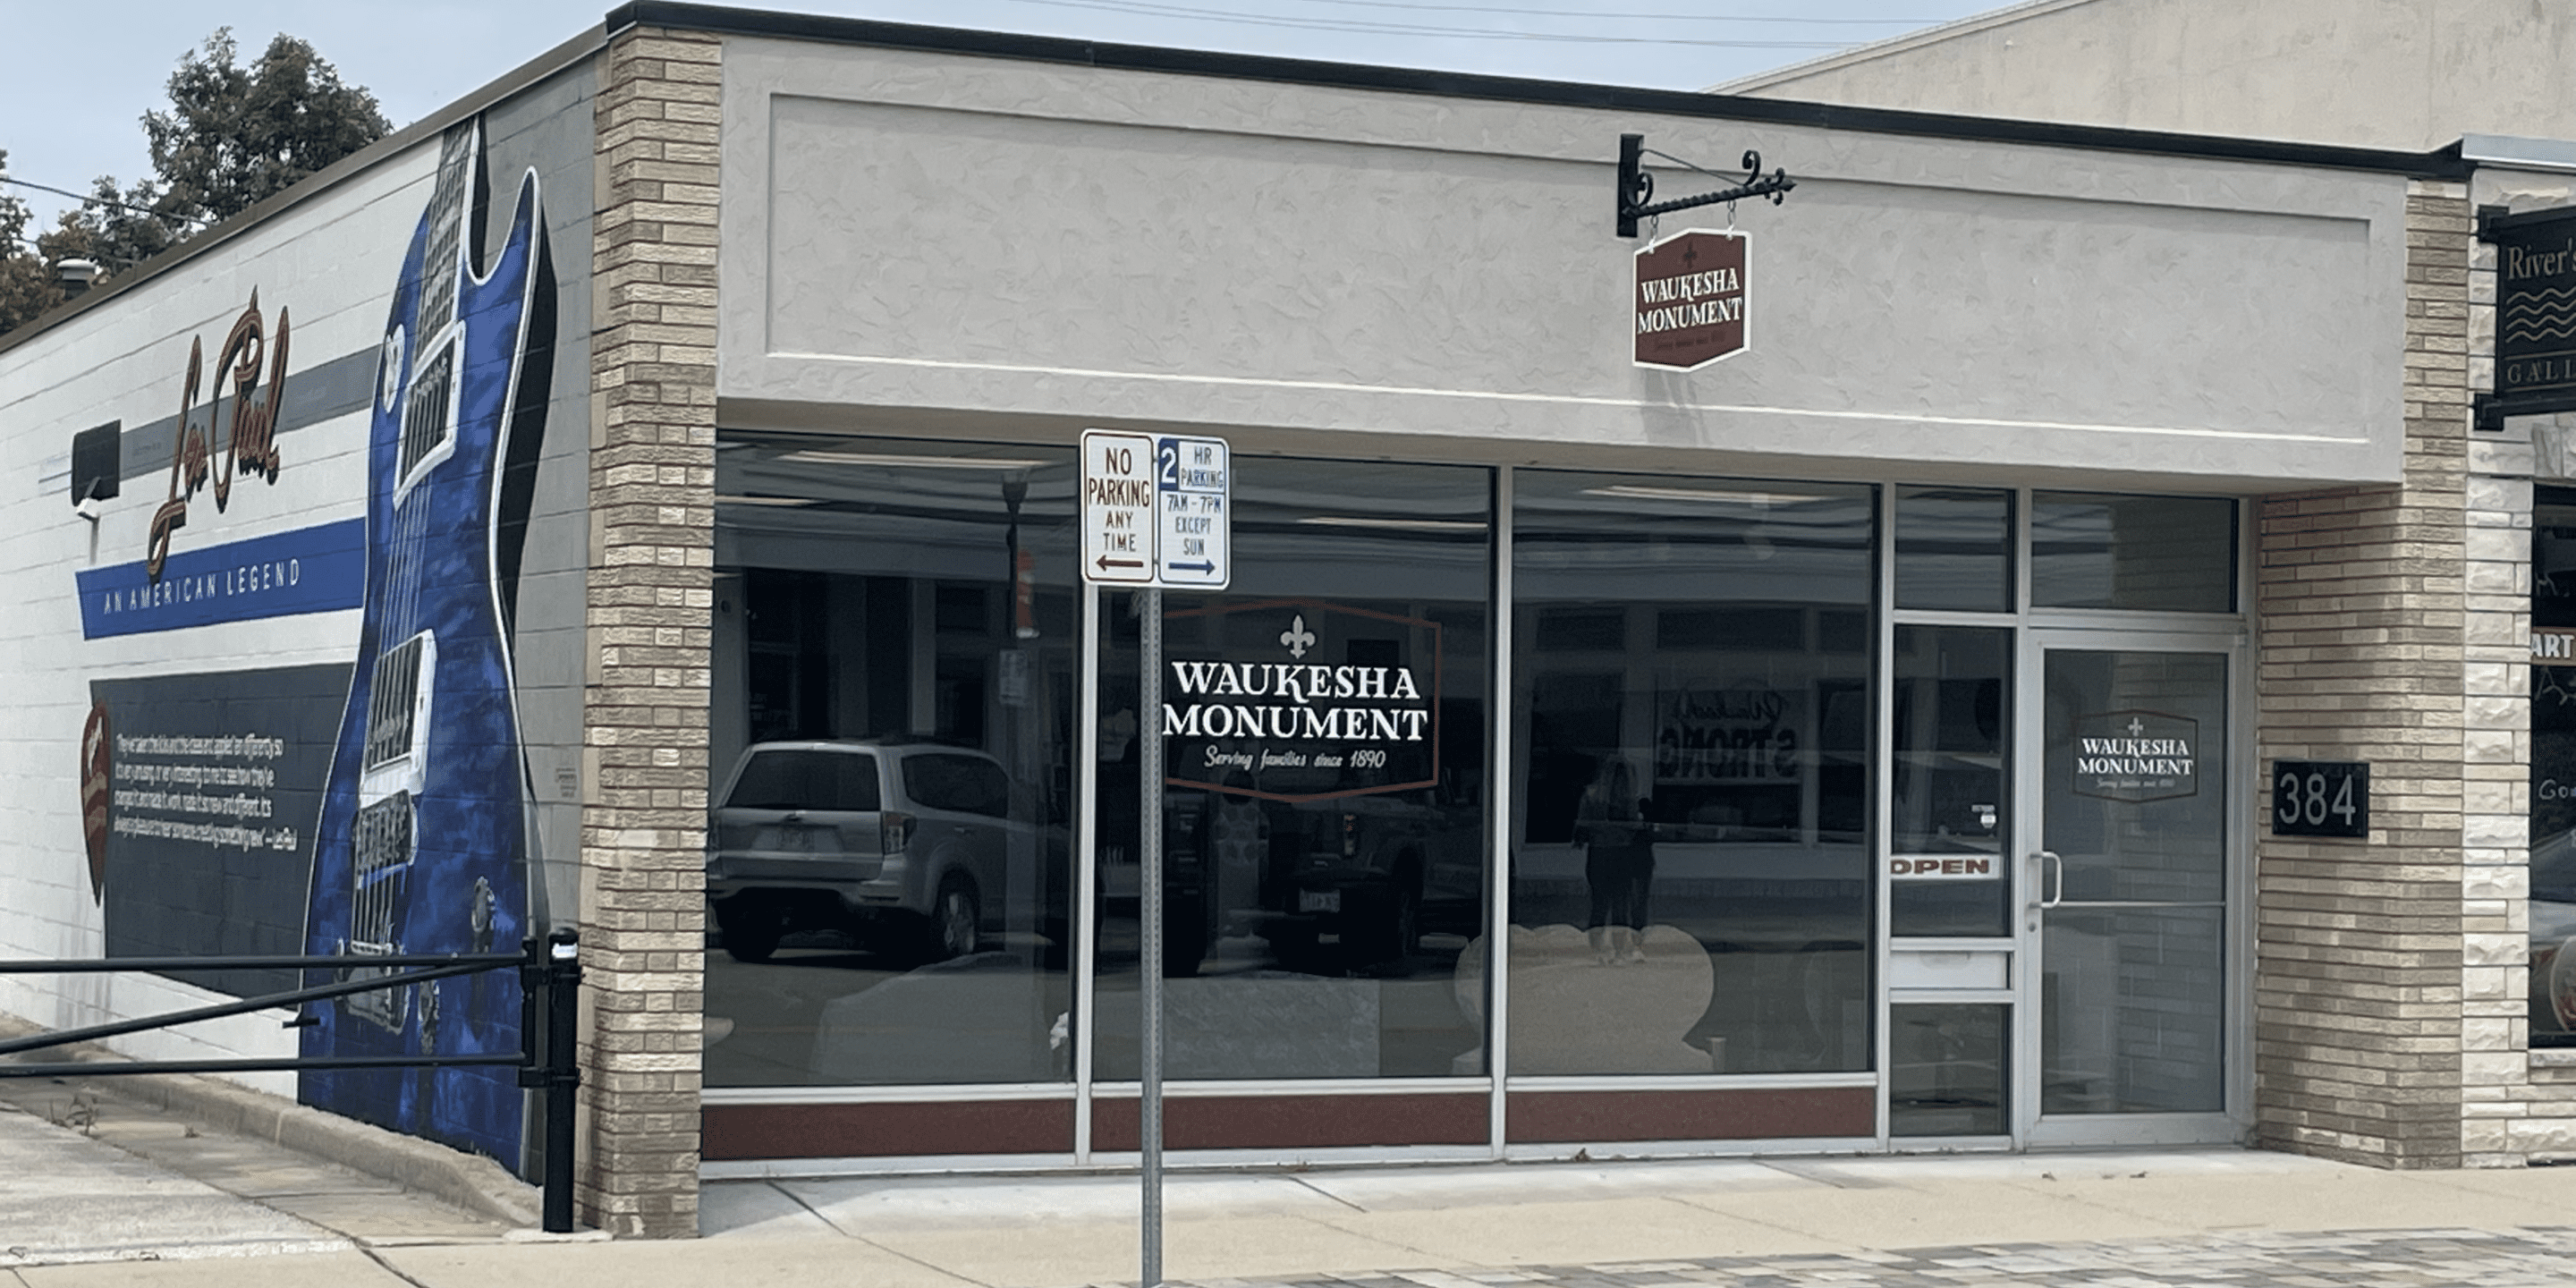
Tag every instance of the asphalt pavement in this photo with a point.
(96, 1191)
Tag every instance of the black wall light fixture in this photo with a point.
(97, 462)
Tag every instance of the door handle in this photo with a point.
(2047, 894)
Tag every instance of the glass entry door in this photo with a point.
(2126, 1003)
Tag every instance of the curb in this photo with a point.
(469, 1181)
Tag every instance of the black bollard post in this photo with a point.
(563, 1073)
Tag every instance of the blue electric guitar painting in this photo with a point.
(424, 843)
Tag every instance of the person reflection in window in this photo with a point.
(1618, 862)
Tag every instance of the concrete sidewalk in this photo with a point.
(2112, 1219)
(90, 1178)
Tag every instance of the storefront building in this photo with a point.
(665, 500)
(2413, 74)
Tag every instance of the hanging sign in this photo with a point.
(1302, 700)
(2535, 313)
(2136, 756)
(1692, 300)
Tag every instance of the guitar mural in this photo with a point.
(424, 842)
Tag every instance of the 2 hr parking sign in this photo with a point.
(1193, 493)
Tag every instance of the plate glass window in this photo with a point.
(1325, 811)
(1950, 1069)
(888, 854)
(2553, 769)
(1954, 549)
(1951, 798)
(1691, 879)
(2138, 553)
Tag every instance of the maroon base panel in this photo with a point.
(1282, 1122)
(887, 1130)
(1574, 1117)
(1300, 1122)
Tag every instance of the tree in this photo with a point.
(233, 136)
(26, 286)
(118, 227)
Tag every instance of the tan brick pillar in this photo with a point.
(2362, 607)
(652, 512)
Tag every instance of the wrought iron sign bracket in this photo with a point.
(1637, 188)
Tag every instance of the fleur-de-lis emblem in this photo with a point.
(1297, 637)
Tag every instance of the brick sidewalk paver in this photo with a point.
(2526, 1258)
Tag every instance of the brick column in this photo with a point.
(2519, 1104)
(652, 509)
(2363, 642)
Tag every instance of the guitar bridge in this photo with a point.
(383, 846)
(383, 839)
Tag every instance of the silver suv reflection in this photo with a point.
(908, 845)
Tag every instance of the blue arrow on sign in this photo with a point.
(1196, 567)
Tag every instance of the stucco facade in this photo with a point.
(2412, 74)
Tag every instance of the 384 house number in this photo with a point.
(2320, 798)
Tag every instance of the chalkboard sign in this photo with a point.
(2320, 798)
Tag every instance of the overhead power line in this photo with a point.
(102, 201)
(118, 260)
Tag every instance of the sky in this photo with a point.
(72, 100)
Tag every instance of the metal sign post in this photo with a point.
(1155, 513)
(1149, 928)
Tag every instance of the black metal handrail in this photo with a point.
(549, 969)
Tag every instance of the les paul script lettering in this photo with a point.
(250, 441)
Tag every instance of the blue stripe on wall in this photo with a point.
(309, 570)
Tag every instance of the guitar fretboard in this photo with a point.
(447, 204)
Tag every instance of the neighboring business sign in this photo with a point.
(1692, 300)
(2552, 646)
(2136, 756)
(1728, 736)
(2535, 313)
(1300, 700)
(1157, 511)
(2320, 798)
